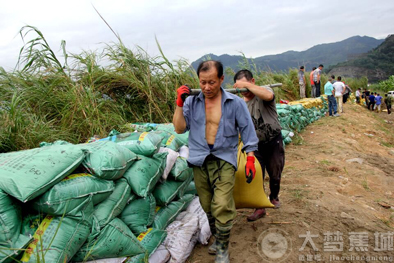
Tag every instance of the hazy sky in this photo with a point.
(191, 29)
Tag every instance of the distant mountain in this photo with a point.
(377, 64)
(326, 54)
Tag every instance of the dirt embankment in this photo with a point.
(338, 178)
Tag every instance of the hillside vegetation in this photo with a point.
(377, 64)
(326, 54)
(45, 99)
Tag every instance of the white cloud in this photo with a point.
(190, 29)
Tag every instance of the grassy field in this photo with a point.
(91, 93)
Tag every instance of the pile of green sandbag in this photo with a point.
(297, 117)
(105, 199)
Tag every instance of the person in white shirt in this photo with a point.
(339, 87)
(358, 95)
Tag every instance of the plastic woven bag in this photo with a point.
(30, 173)
(107, 160)
(114, 240)
(145, 143)
(110, 208)
(139, 214)
(67, 196)
(143, 175)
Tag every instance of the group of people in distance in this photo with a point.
(214, 119)
(335, 90)
(314, 78)
(373, 100)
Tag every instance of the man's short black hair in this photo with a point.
(243, 73)
(321, 65)
(302, 67)
(333, 76)
(207, 65)
(313, 68)
(339, 78)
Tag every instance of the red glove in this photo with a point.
(250, 169)
(183, 92)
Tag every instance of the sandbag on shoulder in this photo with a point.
(143, 175)
(107, 160)
(30, 173)
(67, 196)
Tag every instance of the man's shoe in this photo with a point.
(276, 203)
(258, 213)
(336, 115)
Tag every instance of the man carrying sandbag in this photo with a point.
(214, 118)
(271, 155)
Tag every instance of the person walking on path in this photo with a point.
(339, 91)
(302, 81)
(367, 94)
(387, 101)
(316, 79)
(346, 95)
(358, 94)
(214, 118)
(271, 155)
(378, 103)
(332, 103)
(371, 103)
(313, 88)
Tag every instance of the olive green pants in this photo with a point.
(214, 184)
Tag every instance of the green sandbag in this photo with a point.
(184, 137)
(166, 191)
(186, 200)
(143, 175)
(145, 143)
(110, 208)
(184, 185)
(169, 140)
(287, 140)
(59, 238)
(191, 189)
(115, 240)
(30, 224)
(67, 196)
(30, 173)
(285, 133)
(107, 160)
(180, 171)
(151, 239)
(166, 214)
(10, 226)
(141, 258)
(139, 214)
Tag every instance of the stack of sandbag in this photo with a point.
(296, 115)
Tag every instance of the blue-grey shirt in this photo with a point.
(235, 118)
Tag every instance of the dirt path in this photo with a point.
(323, 190)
